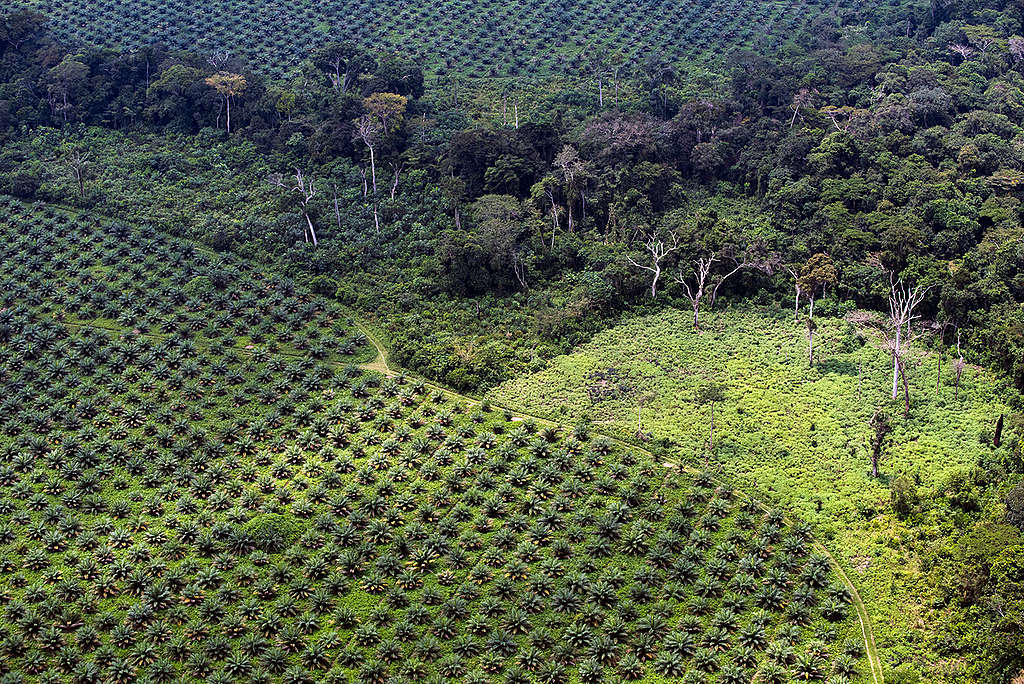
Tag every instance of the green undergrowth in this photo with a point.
(800, 437)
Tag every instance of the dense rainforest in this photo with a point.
(490, 227)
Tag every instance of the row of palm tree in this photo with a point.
(191, 510)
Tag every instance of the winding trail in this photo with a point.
(380, 365)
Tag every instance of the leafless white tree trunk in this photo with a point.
(702, 268)
(306, 190)
(394, 185)
(366, 188)
(656, 246)
(958, 367)
(368, 129)
(337, 210)
(519, 267)
(903, 299)
(78, 163)
(703, 278)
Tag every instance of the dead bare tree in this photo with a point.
(965, 51)
(898, 347)
(78, 162)
(369, 129)
(702, 267)
(903, 299)
(703, 283)
(337, 209)
(219, 60)
(305, 188)
(362, 174)
(397, 168)
(519, 267)
(658, 249)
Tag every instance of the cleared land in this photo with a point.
(796, 436)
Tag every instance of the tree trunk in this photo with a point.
(312, 231)
(554, 220)
(796, 305)
(394, 186)
(654, 282)
(228, 101)
(896, 363)
(997, 439)
(373, 170)
(906, 388)
(696, 315)
(874, 462)
(337, 211)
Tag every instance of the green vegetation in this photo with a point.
(184, 507)
(802, 436)
(778, 242)
(456, 40)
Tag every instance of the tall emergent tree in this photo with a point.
(229, 86)
(382, 116)
(709, 394)
(818, 273)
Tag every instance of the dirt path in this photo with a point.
(380, 364)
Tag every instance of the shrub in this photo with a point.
(903, 496)
(272, 532)
(1015, 506)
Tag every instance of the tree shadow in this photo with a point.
(837, 367)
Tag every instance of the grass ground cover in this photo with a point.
(178, 507)
(799, 436)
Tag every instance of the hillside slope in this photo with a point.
(800, 436)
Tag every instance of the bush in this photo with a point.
(323, 285)
(199, 286)
(903, 496)
(271, 532)
(1015, 507)
(904, 674)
